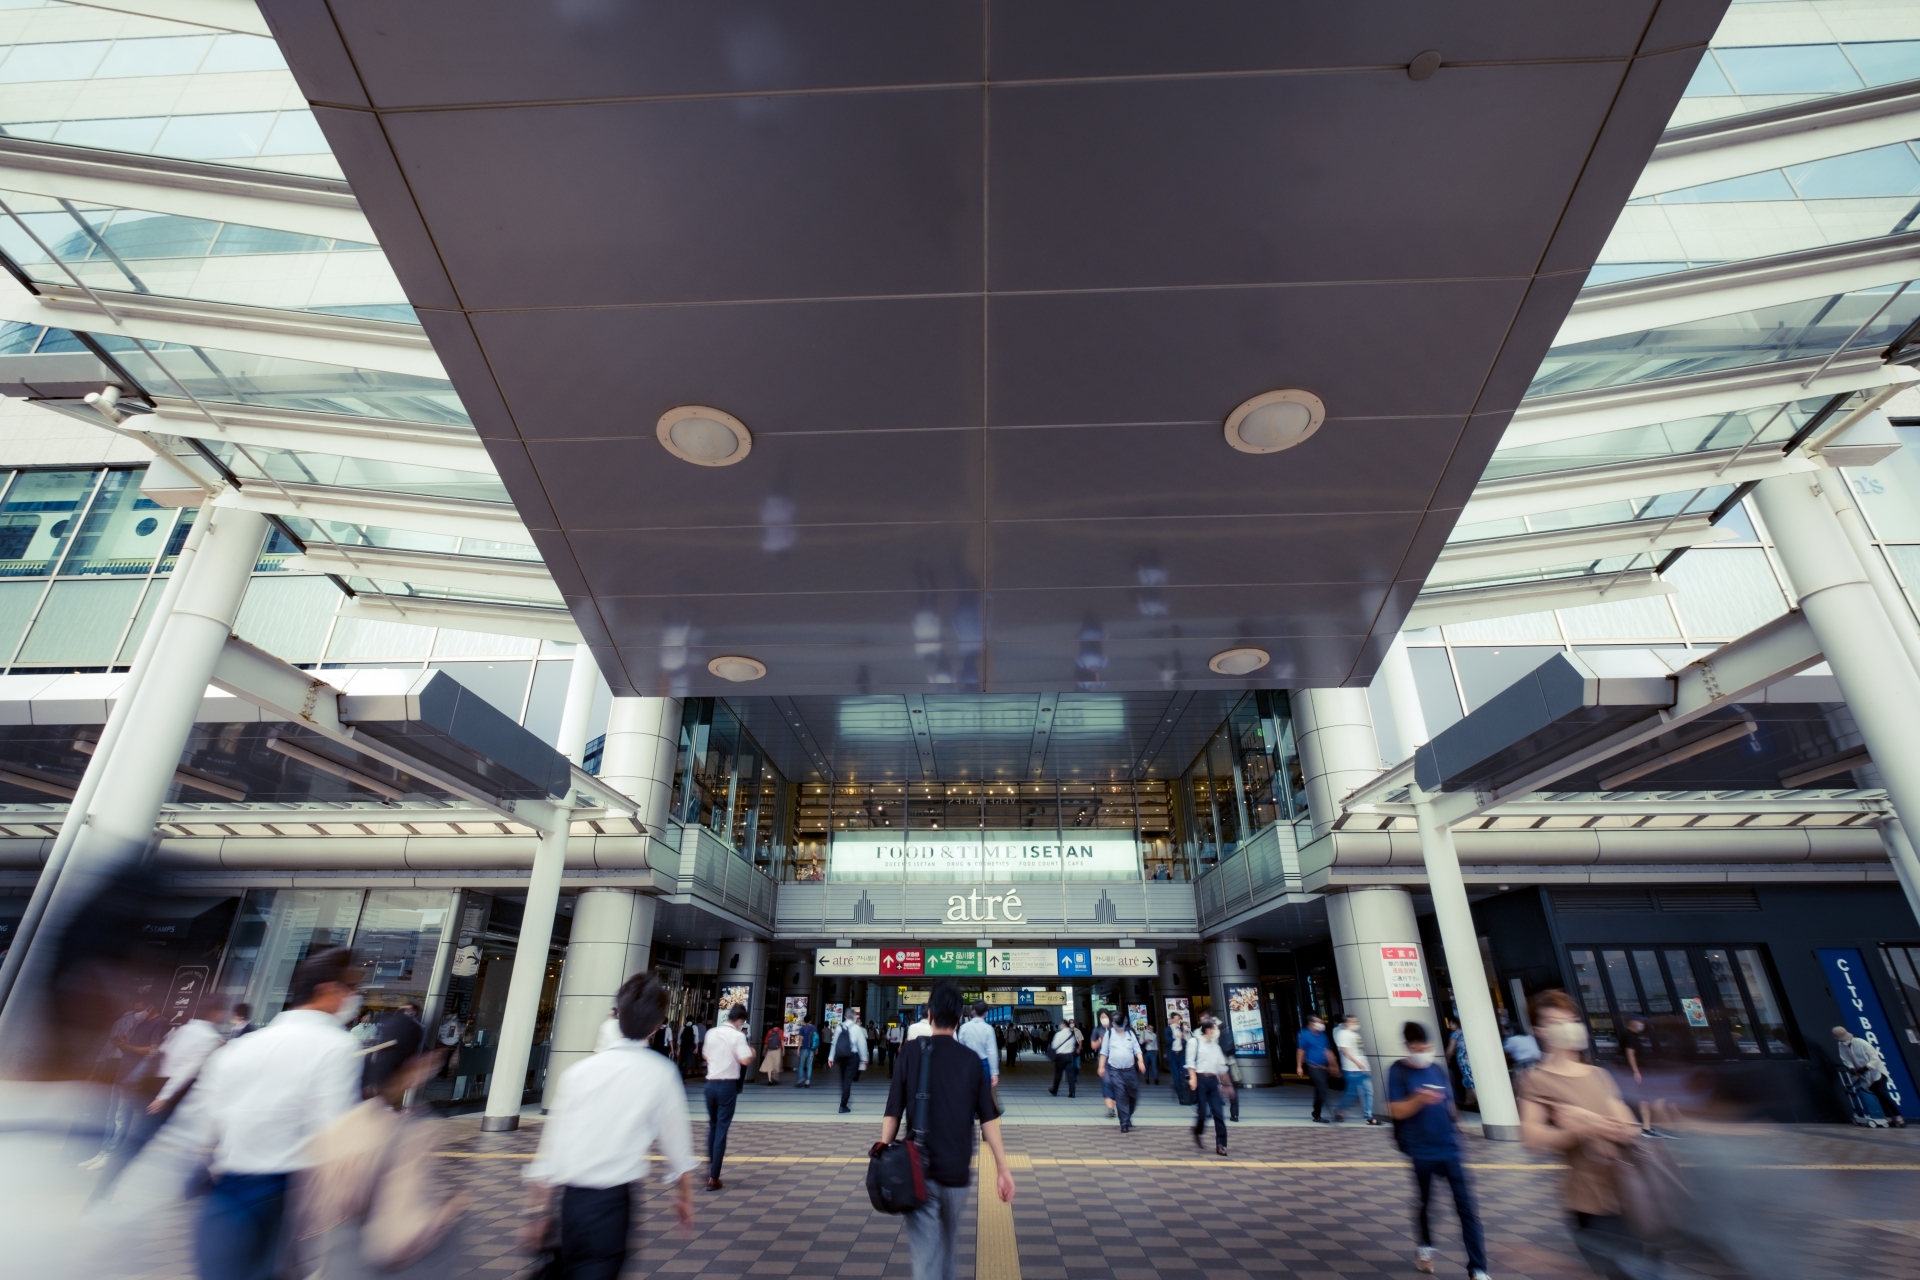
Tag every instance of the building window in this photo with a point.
(1708, 1002)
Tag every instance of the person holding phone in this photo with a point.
(1420, 1100)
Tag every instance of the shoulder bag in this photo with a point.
(897, 1170)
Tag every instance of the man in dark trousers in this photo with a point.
(1420, 1100)
(1065, 1046)
(1225, 1041)
(1313, 1057)
(398, 1037)
(958, 1093)
(850, 1052)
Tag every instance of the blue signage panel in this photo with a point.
(1861, 1014)
(1076, 962)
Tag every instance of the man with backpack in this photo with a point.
(850, 1053)
(1420, 1100)
(941, 1091)
(1065, 1048)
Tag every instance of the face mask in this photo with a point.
(1565, 1035)
(349, 1010)
(1420, 1060)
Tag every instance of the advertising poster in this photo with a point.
(902, 962)
(1695, 1010)
(733, 993)
(1860, 1013)
(796, 1015)
(1178, 1007)
(1243, 1015)
(834, 1015)
(1406, 984)
(1137, 1018)
(956, 962)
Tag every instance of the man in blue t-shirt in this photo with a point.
(1420, 1099)
(1313, 1056)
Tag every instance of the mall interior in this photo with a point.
(1263, 510)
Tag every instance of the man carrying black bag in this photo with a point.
(958, 1093)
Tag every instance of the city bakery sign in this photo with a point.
(989, 856)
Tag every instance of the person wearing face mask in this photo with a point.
(1572, 1109)
(1207, 1079)
(257, 1103)
(1420, 1100)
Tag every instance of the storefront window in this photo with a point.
(1698, 1002)
(398, 940)
(1594, 998)
(275, 931)
(725, 783)
(1246, 779)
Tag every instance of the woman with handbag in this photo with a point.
(1571, 1108)
(775, 1045)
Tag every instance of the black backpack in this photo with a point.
(897, 1171)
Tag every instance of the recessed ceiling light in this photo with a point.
(737, 668)
(1275, 421)
(705, 437)
(1238, 662)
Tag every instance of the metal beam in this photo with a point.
(1659, 302)
(1042, 734)
(453, 517)
(1529, 552)
(1475, 604)
(1578, 415)
(450, 445)
(1719, 149)
(1509, 499)
(922, 736)
(186, 188)
(525, 621)
(484, 574)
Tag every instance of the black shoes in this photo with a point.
(1054, 1093)
(1219, 1151)
(714, 1184)
(846, 1111)
(1196, 1141)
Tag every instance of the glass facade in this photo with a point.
(396, 933)
(1246, 779)
(1697, 1002)
(725, 783)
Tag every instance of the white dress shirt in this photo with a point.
(856, 1039)
(725, 1050)
(184, 1052)
(1348, 1044)
(920, 1028)
(978, 1036)
(608, 1036)
(265, 1094)
(1205, 1057)
(1120, 1048)
(607, 1112)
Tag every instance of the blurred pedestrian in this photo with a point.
(1065, 1047)
(609, 1033)
(803, 1055)
(240, 1021)
(1457, 1051)
(1103, 1023)
(363, 1030)
(1120, 1056)
(182, 1053)
(957, 1094)
(1420, 1100)
(728, 1056)
(1173, 1043)
(399, 1039)
(262, 1097)
(1573, 1109)
(1354, 1069)
(774, 1048)
(1865, 1070)
(977, 1035)
(1224, 1028)
(689, 1047)
(607, 1112)
(1522, 1050)
(1208, 1081)
(1313, 1057)
(1150, 1051)
(850, 1055)
(921, 1027)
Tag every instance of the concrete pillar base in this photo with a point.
(1362, 921)
(499, 1124)
(1501, 1132)
(612, 939)
(1232, 962)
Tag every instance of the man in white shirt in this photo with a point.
(1065, 1047)
(1120, 1057)
(978, 1036)
(922, 1027)
(1353, 1065)
(607, 1112)
(849, 1052)
(261, 1099)
(609, 1034)
(728, 1054)
(178, 1060)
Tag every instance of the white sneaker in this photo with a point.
(1478, 1275)
(1424, 1261)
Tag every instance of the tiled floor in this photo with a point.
(1315, 1202)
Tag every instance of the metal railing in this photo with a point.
(1265, 867)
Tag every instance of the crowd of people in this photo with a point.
(315, 1163)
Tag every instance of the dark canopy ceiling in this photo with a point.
(984, 280)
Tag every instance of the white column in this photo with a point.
(1893, 838)
(1403, 699)
(508, 1085)
(1338, 750)
(1234, 962)
(611, 940)
(612, 937)
(1362, 921)
(138, 773)
(1846, 511)
(1879, 682)
(1499, 1116)
(77, 809)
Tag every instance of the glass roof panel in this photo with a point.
(1709, 434)
(259, 462)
